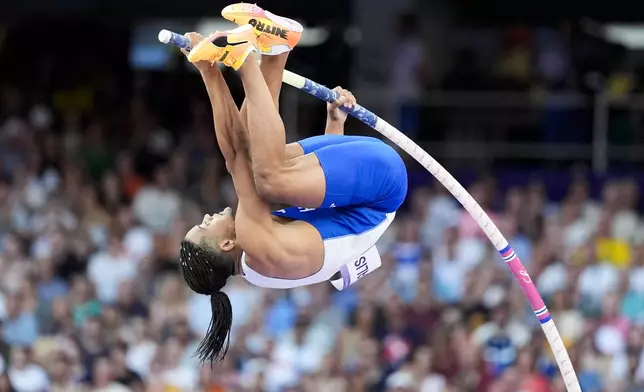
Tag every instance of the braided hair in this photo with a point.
(206, 270)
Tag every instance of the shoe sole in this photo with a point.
(278, 21)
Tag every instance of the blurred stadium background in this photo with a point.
(107, 156)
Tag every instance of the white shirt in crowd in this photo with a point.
(625, 224)
(517, 332)
(181, 377)
(442, 212)
(449, 275)
(571, 324)
(597, 280)
(636, 280)
(620, 368)
(140, 356)
(400, 380)
(3, 306)
(579, 232)
(31, 378)
(470, 251)
(609, 341)
(244, 299)
(114, 387)
(433, 383)
(156, 208)
(289, 361)
(199, 313)
(107, 272)
(554, 278)
(138, 243)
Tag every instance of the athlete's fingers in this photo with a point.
(341, 98)
(351, 100)
(194, 38)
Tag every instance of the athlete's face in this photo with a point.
(216, 230)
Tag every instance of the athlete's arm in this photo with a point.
(229, 139)
(335, 117)
(253, 221)
(335, 120)
(261, 238)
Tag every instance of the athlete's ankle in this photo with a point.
(273, 61)
(249, 67)
(252, 61)
(210, 73)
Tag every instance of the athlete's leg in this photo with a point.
(226, 115)
(294, 182)
(298, 181)
(272, 69)
(362, 172)
(276, 37)
(230, 130)
(303, 181)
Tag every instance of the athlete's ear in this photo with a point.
(227, 245)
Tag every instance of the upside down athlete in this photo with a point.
(348, 188)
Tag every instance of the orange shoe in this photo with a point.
(228, 47)
(205, 51)
(275, 34)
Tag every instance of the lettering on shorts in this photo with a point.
(299, 209)
(265, 28)
(361, 267)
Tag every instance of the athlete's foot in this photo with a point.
(275, 34)
(228, 47)
(205, 51)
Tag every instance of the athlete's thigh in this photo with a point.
(348, 174)
(302, 182)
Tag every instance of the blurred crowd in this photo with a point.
(91, 298)
(92, 209)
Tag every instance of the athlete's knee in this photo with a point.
(269, 184)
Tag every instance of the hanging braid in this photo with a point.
(205, 271)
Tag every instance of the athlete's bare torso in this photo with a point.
(274, 246)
